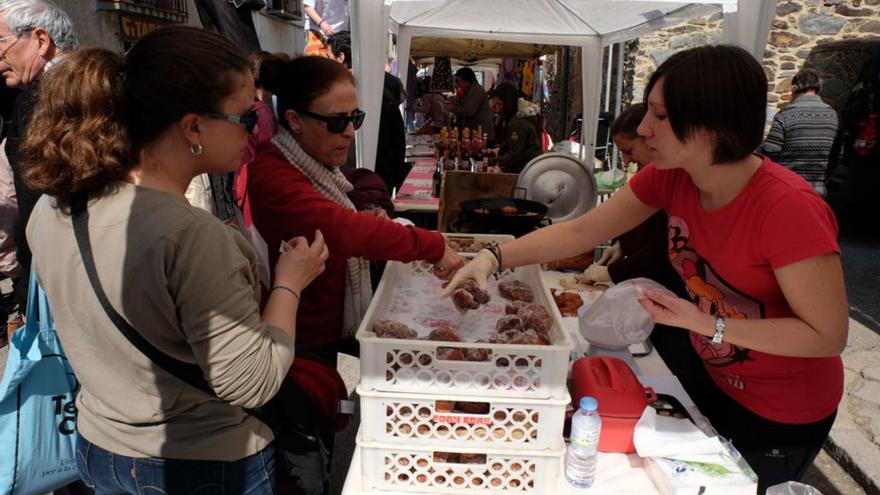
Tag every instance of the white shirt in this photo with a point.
(335, 12)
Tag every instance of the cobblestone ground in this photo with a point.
(855, 437)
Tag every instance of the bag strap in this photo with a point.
(188, 373)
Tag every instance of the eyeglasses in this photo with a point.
(247, 119)
(337, 124)
(3, 40)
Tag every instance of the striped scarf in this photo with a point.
(333, 185)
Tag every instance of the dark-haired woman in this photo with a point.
(296, 187)
(755, 247)
(520, 140)
(116, 142)
(471, 105)
(643, 252)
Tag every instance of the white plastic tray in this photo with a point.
(526, 424)
(409, 293)
(413, 469)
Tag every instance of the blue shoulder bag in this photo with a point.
(37, 409)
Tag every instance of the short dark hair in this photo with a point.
(721, 88)
(300, 81)
(341, 43)
(806, 80)
(509, 96)
(627, 123)
(466, 74)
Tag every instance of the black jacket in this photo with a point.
(22, 109)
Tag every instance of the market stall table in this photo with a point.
(415, 192)
(616, 473)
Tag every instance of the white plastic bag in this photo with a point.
(611, 179)
(617, 319)
(792, 488)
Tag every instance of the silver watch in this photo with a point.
(719, 330)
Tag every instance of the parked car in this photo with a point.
(851, 73)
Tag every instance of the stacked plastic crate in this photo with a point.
(436, 425)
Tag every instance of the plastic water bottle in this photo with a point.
(580, 459)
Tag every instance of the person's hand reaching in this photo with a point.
(478, 269)
(596, 273)
(610, 255)
(450, 263)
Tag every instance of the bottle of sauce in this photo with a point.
(448, 164)
(437, 179)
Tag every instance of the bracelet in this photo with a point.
(719, 330)
(288, 289)
(322, 22)
(497, 253)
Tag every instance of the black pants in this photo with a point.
(777, 452)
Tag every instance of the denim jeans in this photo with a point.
(112, 474)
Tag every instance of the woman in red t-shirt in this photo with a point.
(755, 247)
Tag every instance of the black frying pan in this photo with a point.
(505, 214)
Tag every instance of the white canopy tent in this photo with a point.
(589, 24)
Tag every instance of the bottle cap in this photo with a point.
(588, 403)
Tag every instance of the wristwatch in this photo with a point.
(719, 330)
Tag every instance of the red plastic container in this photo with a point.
(622, 398)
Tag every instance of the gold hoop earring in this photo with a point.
(196, 149)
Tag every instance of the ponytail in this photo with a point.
(77, 140)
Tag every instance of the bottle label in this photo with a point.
(585, 439)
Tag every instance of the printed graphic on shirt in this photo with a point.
(713, 295)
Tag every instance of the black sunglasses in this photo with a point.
(337, 124)
(247, 119)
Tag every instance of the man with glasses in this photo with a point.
(34, 36)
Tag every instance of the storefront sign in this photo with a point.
(135, 28)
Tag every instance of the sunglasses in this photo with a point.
(337, 124)
(247, 119)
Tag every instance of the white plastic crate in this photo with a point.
(500, 422)
(485, 239)
(421, 470)
(413, 366)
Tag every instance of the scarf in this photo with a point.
(334, 186)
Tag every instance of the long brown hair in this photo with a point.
(97, 110)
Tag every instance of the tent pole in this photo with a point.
(610, 59)
(566, 75)
(591, 86)
(618, 93)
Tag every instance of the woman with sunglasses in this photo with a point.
(113, 144)
(296, 187)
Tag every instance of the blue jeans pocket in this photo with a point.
(82, 461)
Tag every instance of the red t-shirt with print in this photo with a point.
(726, 258)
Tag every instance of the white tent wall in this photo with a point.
(404, 41)
(369, 28)
(749, 25)
(590, 24)
(591, 84)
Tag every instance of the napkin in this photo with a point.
(665, 436)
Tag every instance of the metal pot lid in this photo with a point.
(562, 182)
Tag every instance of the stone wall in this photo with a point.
(799, 26)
